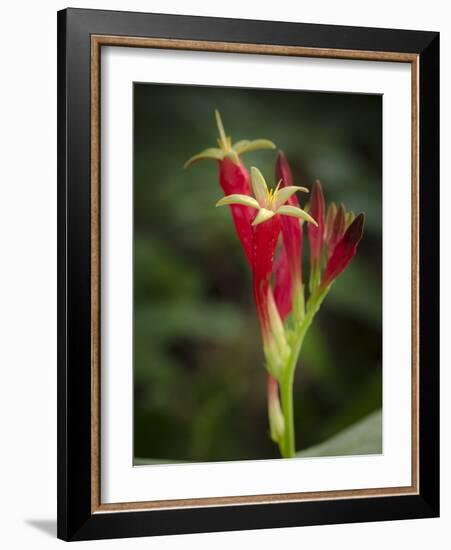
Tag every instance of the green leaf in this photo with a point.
(154, 461)
(363, 438)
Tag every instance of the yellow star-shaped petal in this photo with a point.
(226, 149)
(268, 202)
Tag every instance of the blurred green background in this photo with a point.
(199, 379)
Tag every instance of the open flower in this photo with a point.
(234, 178)
(227, 149)
(268, 202)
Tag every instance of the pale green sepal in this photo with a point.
(288, 210)
(239, 146)
(277, 329)
(286, 192)
(211, 153)
(247, 146)
(298, 309)
(259, 186)
(276, 420)
(263, 215)
(245, 200)
(273, 361)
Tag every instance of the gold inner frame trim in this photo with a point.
(97, 41)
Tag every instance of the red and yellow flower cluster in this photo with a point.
(269, 224)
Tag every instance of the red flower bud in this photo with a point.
(344, 251)
(234, 178)
(337, 230)
(316, 234)
(288, 273)
(283, 284)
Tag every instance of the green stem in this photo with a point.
(288, 443)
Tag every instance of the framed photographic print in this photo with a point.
(248, 274)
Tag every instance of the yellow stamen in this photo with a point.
(272, 195)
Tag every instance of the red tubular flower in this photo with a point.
(344, 251)
(283, 284)
(316, 233)
(234, 178)
(288, 275)
(340, 233)
(264, 246)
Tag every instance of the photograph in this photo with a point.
(257, 274)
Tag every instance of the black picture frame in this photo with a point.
(76, 521)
